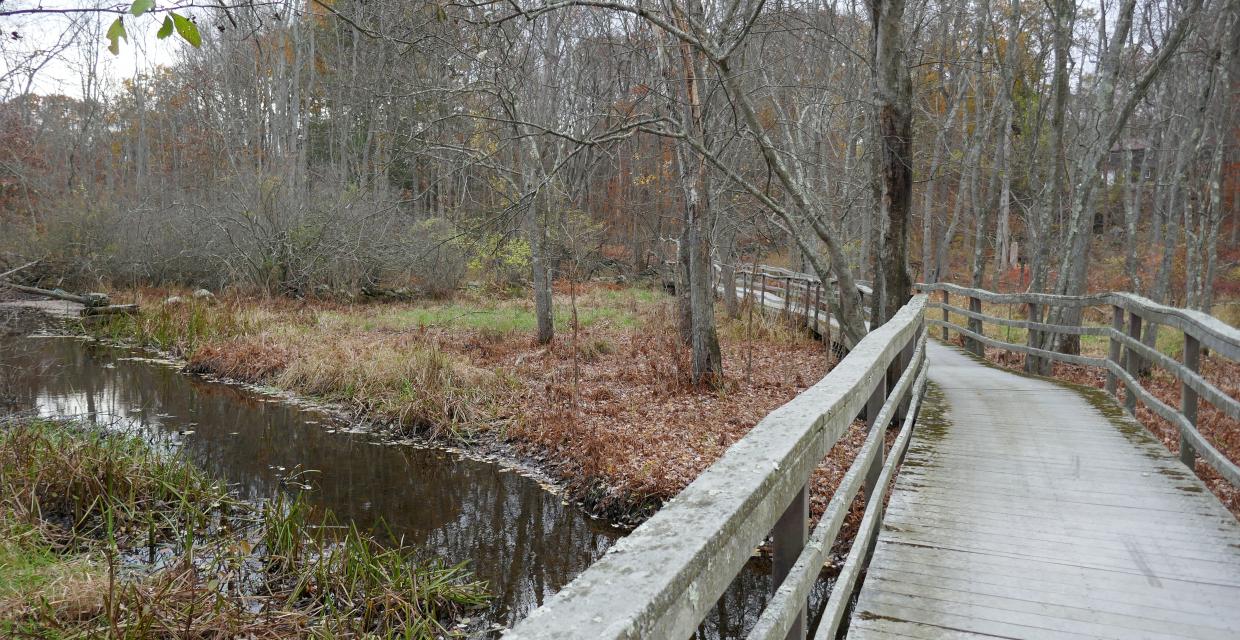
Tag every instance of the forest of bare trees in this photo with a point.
(328, 148)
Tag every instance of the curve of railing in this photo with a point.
(1127, 354)
(662, 579)
(791, 293)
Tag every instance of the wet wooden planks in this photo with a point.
(1031, 514)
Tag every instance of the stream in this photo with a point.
(522, 539)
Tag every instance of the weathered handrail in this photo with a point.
(662, 579)
(791, 293)
(1126, 357)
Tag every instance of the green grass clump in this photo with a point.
(385, 591)
(80, 508)
(77, 485)
(181, 328)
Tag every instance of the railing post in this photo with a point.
(1188, 399)
(762, 300)
(1133, 360)
(787, 299)
(1117, 324)
(975, 325)
(788, 539)
(805, 305)
(1034, 340)
(946, 316)
(904, 359)
(827, 324)
(872, 408)
(817, 302)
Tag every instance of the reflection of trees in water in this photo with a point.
(519, 538)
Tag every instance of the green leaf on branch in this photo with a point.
(116, 33)
(140, 7)
(165, 30)
(187, 29)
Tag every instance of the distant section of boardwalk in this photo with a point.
(1031, 514)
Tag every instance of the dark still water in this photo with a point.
(523, 540)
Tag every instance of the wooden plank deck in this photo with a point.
(1031, 514)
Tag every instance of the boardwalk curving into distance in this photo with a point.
(1022, 508)
(1028, 513)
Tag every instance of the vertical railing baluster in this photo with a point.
(975, 325)
(1034, 338)
(827, 324)
(788, 539)
(1188, 399)
(905, 359)
(1117, 324)
(872, 408)
(1133, 360)
(946, 315)
(805, 304)
(817, 302)
(787, 299)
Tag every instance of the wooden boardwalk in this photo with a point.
(1030, 514)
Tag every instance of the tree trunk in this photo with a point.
(540, 274)
(893, 122)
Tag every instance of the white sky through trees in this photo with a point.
(27, 61)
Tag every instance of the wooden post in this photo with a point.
(1034, 339)
(1134, 360)
(788, 539)
(872, 408)
(762, 300)
(1188, 399)
(975, 325)
(787, 299)
(805, 305)
(905, 359)
(817, 302)
(946, 316)
(827, 324)
(1117, 323)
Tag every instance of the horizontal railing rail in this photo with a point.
(792, 293)
(1127, 354)
(662, 579)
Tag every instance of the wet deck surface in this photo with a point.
(1031, 514)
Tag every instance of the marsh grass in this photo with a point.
(398, 378)
(386, 360)
(83, 513)
(181, 328)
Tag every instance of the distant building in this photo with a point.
(1129, 156)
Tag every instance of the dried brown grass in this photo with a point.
(611, 413)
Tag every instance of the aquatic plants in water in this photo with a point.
(106, 535)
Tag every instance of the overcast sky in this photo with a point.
(64, 73)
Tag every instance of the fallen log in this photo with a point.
(89, 300)
(110, 309)
(13, 271)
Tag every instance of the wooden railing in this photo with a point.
(1127, 355)
(791, 293)
(663, 578)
